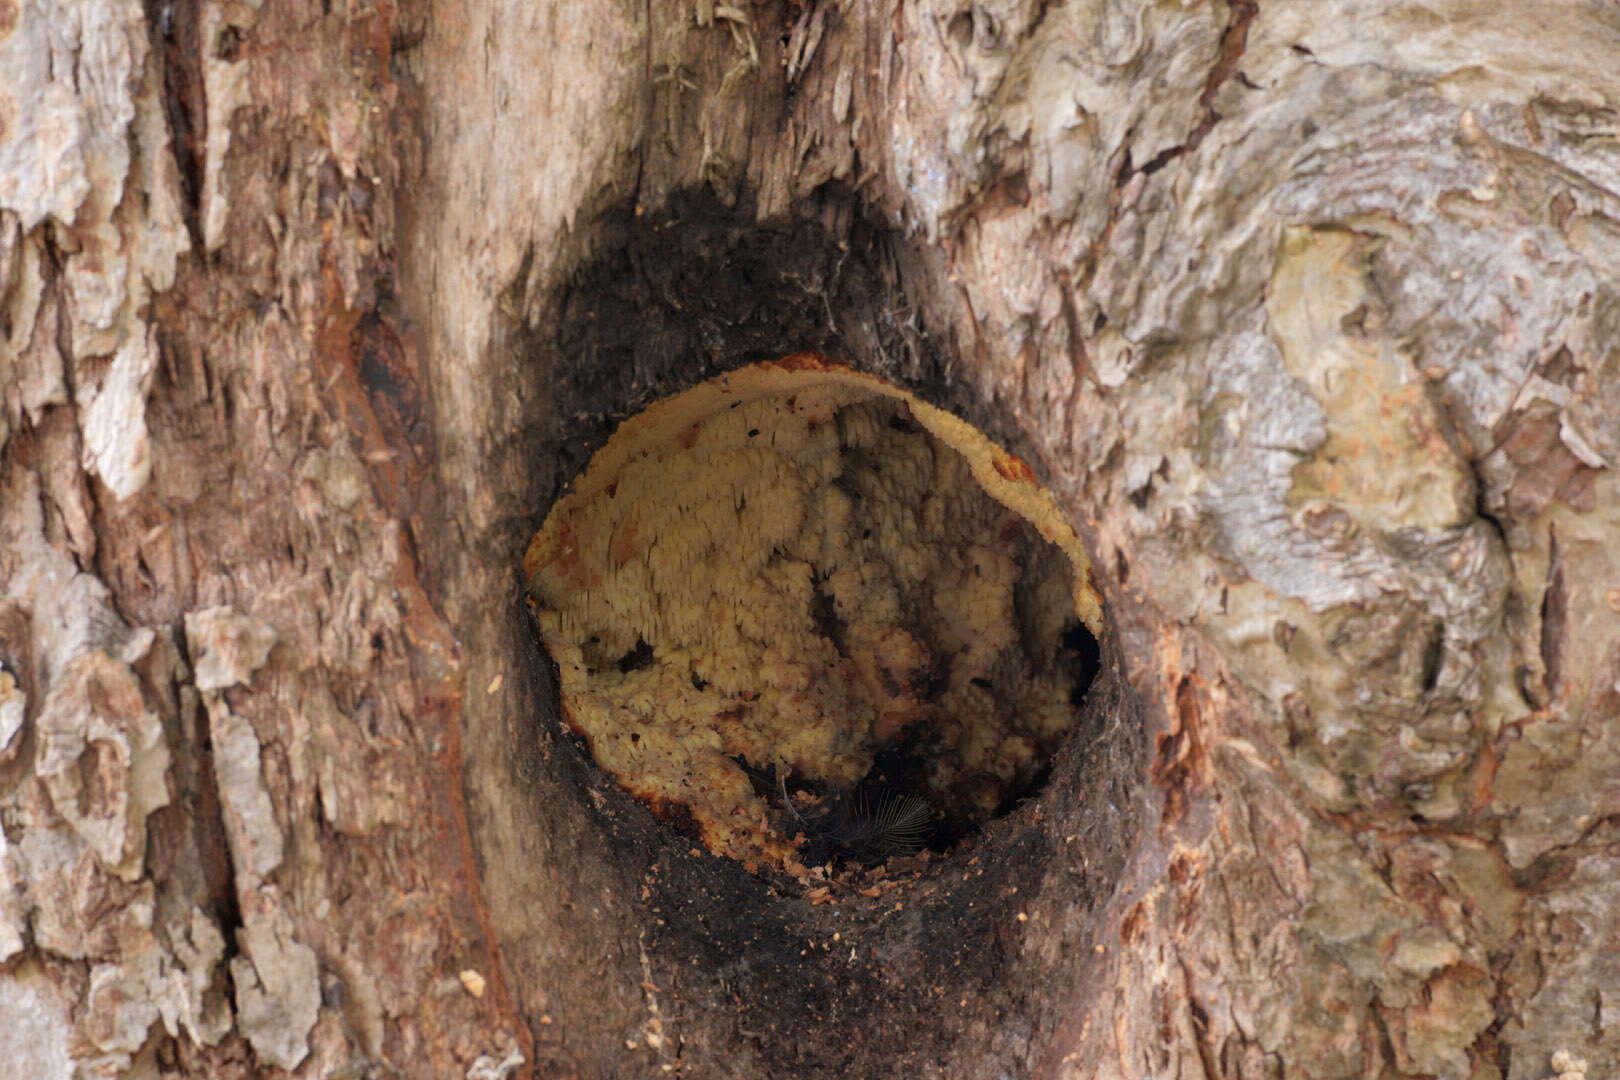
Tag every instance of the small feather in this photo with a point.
(898, 824)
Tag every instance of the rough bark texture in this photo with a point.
(1307, 312)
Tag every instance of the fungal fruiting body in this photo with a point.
(799, 569)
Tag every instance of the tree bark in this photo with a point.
(1307, 315)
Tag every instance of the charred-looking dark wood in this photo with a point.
(675, 295)
(1306, 313)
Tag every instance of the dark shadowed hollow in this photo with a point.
(933, 957)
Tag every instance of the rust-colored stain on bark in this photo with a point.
(1133, 925)
(371, 44)
(1546, 468)
(1481, 786)
(389, 377)
(1183, 868)
(369, 386)
(1181, 754)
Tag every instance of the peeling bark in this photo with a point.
(1306, 314)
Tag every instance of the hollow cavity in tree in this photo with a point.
(812, 615)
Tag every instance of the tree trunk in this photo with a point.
(1306, 313)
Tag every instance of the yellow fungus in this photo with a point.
(795, 566)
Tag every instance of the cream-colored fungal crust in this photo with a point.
(796, 565)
